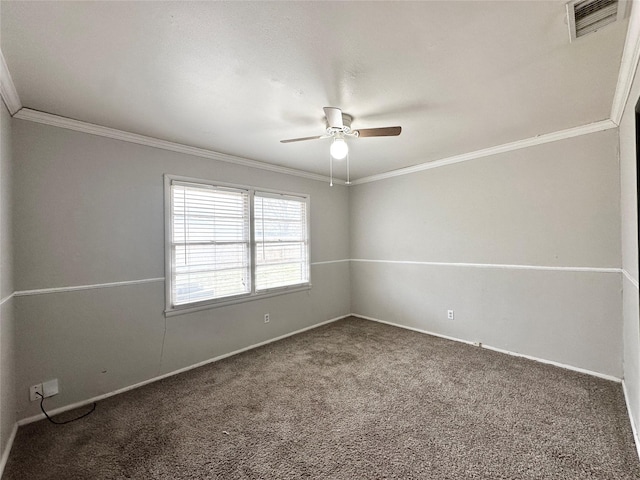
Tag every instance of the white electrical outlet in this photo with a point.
(34, 390)
(450, 314)
(266, 318)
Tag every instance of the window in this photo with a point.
(216, 253)
(280, 226)
(210, 245)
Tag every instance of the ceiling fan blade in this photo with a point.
(380, 132)
(334, 117)
(301, 139)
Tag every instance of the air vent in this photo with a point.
(588, 16)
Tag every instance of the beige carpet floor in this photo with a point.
(350, 400)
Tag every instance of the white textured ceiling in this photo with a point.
(237, 77)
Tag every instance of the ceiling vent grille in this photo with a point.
(588, 16)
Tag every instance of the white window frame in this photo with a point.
(254, 250)
(171, 309)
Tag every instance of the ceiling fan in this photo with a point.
(339, 128)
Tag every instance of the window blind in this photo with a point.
(281, 239)
(210, 245)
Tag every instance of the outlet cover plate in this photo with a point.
(50, 388)
(33, 392)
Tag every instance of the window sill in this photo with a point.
(235, 301)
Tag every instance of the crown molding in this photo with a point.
(93, 129)
(8, 89)
(507, 147)
(628, 66)
(629, 63)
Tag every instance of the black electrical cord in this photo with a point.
(67, 421)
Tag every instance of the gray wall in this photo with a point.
(90, 211)
(552, 205)
(7, 348)
(631, 323)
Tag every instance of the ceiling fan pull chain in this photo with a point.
(348, 181)
(330, 170)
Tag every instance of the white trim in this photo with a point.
(631, 279)
(237, 300)
(327, 262)
(8, 89)
(571, 20)
(7, 448)
(44, 291)
(35, 418)
(507, 147)
(628, 65)
(168, 235)
(170, 177)
(93, 129)
(636, 437)
(494, 265)
(41, 291)
(495, 349)
(556, 364)
(6, 299)
(413, 329)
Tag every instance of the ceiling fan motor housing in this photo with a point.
(345, 129)
(338, 126)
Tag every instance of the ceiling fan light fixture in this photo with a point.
(339, 126)
(339, 149)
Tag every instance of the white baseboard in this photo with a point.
(604, 376)
(499, 350)
(82, 403)
(413, 329)
(636, 437)
(7, 448)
